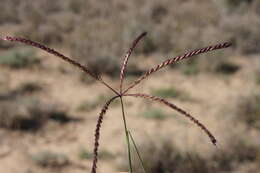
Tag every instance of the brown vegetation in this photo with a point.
(96, 34)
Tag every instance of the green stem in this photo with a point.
(137, 151)
(127, 137)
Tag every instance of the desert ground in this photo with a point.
(49, 108)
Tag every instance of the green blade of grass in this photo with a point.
(137, 151)
(127, 136)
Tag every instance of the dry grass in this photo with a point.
(19, 58)
(50, 159)
(249, 110)
(104, 40)
(20, 109)
(161, 155)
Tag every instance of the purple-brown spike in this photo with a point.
(127, 55)
(175, 59)
(97, 133)
(51, 51)
(54, 52)
(165, 102)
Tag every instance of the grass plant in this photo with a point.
(122, 92)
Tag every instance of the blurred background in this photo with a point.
(48, 108)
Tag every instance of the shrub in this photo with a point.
(20, 111)
(236, 3)
(76, 6)
(154, 114)
(258, 77)
(161, 155)
(7, 15)
(171, 92)
(248, 110)
(61, 116)
(84, 154)
(246, 39)
(104, 154)
(50, 159)
(22, 114)
(19, 57)
(101, 64)
(190, 68)
(148, 47)
(48, 33)
(27, 88)
(227, 68)
(166, 92)
(219, 64)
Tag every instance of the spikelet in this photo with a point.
(97, 133)
(175, 59)
(51, 51)
(127, 55)
(56, 53)
(165, 102)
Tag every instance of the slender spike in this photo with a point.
(127, 55)
(165, 102)
(97, 133)
(54, 52)
(51, 51)
(175, 59)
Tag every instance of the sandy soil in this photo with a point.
(213, 103)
